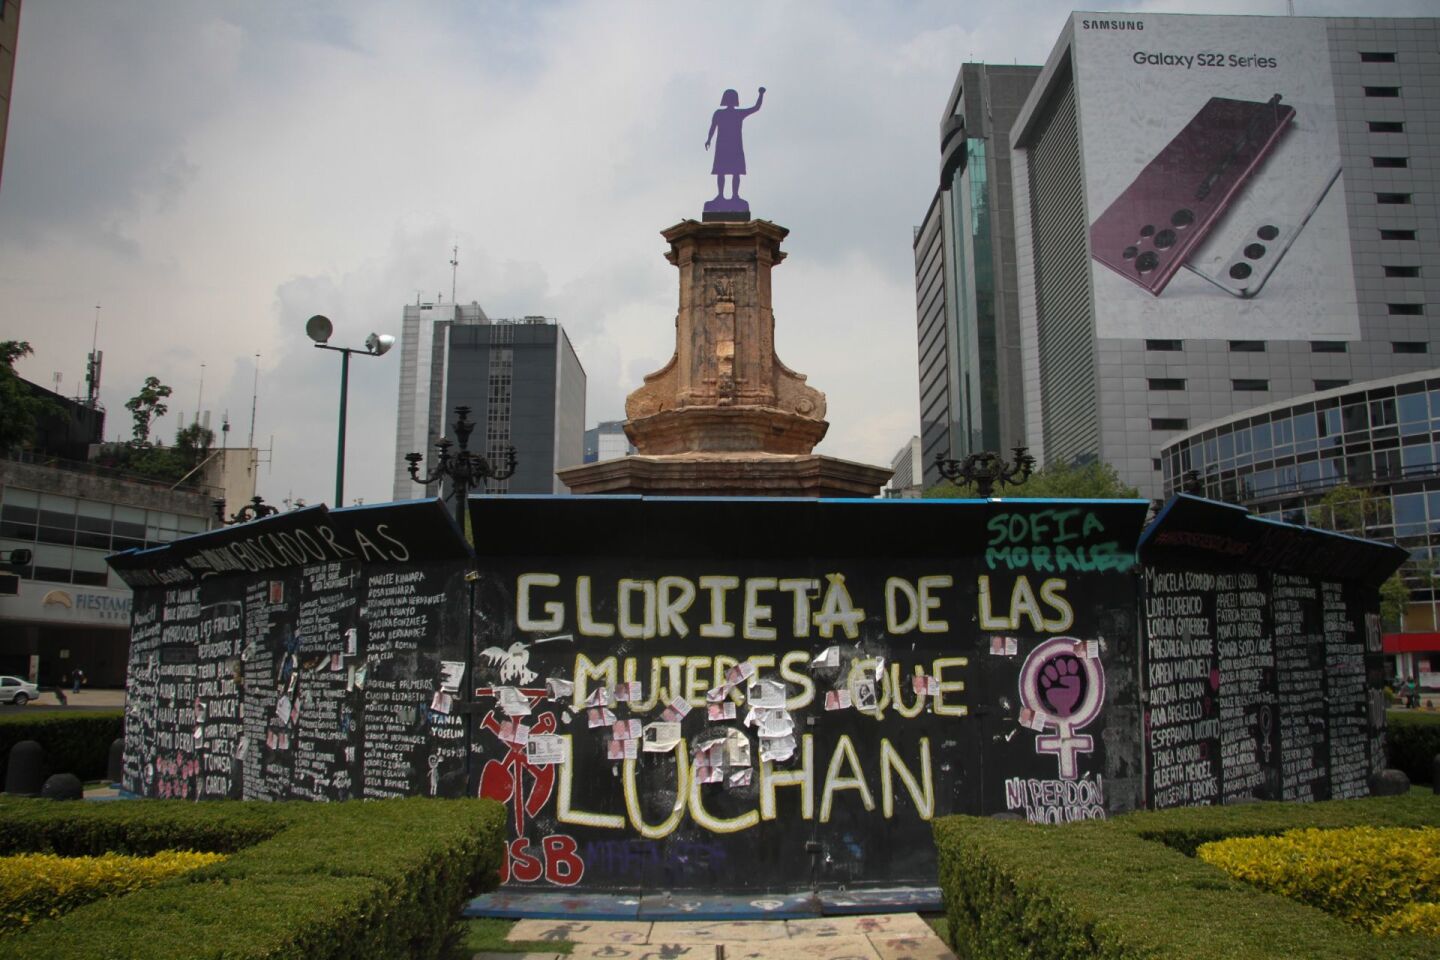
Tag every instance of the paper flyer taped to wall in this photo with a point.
(514, 731)
(629, 692)
(452, 675)
(716, 694)
(737, 751)
(556, 689)
(441, 702)
(545, 750)
(600, 697)
(599, 717)
(829, 657)
(777, 750)
(739, 673)
(738, 778)
(837, 699)
(769, 694)
(661, 736)
(675, 710)
(721, 711)
(775, 723)
(512, 701)
(925, 684)
(625, 729)
(865, 696)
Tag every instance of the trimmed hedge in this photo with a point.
(1361, 874)
(1412, 741)
(77, 742)
(1126, 889)
(364, 879)
(37, 886)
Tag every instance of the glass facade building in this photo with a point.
(1280, 460)
(967, 320)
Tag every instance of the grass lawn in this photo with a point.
(487, 933)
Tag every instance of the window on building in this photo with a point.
(1328, 346)
(1330, 384)
(1387, 126)
(1170, 345)
(1382, 91)
(1409, 346)
(1168, 423)
(1392, 270)
(1167, 383)
(1397, 234)
(1250, 385)
(1392, 198)
(1376, 56)
(1389, 162)
(1247, 346)
(1405, 309)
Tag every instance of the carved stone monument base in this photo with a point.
(727, 475)
(735, 209)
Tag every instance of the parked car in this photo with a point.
(17, 691)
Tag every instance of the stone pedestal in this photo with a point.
(728, 475)
(725, 417)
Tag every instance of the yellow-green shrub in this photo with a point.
(38, 886)
(1418, 918)
(1363, 874)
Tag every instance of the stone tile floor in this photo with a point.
(891, 936)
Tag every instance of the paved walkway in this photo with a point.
(891, 936)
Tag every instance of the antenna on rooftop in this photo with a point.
(254, 400)
(92, 366)
(200, 394)
(454, 265)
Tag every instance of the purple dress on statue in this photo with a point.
(729, 146)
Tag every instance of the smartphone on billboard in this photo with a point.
(1243, 250)
(1166, 212)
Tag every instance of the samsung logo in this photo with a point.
(1112, 24)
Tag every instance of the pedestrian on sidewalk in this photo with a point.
(79, 679)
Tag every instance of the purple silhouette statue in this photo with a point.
(729, 157)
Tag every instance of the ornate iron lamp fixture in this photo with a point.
(464, 470)
(986, 468)
(254, 510)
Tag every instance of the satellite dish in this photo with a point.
(319, 328)
(379, 343)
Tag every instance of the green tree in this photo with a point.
(145, 406)
(20, 408)
(1357, 510)
(1348, 509)
(1058, 480)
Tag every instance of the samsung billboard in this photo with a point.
(1213, 178)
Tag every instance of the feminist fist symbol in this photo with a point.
(1060, 684)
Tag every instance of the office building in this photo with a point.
(606, 441)
(521, 379)
(66, 608)
(1220, 213)
(9, 35)
(966, 296)
(1381, 437)
(908, 470)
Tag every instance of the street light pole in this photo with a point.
(344, 404)
(464, 470)
(319, 328)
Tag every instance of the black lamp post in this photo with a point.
(319, 328)
(986, 468)
(254, 510)
(462, 468)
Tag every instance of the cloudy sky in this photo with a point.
(213, 174)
